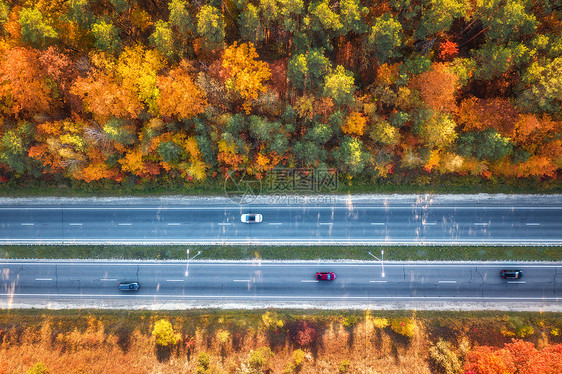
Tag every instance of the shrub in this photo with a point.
(204, 361)
(271, 320)
(444, 358)
(259, 358)
(305, 333)
(165, 334)
(380, 323)
(403, 326)
(344, 366)
(524, 331)
(223, 336)
(38, 368)
(296, 362)
(349, 321)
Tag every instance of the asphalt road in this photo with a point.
(370, 221)
(356, 282)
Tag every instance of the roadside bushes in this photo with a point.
(403, 326)
(165, 334)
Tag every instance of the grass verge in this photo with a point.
(397, 253)
(397, 183)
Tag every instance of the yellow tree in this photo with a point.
(136, 69)
(354, 124)
(178, 95)
(245, 75)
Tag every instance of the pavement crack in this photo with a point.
(138, 269)
(482, 282)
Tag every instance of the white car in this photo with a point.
(251, 218)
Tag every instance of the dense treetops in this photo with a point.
(133, 90)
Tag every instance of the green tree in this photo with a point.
(308, 70)
(180, 18)
(250, 25)
(320, 133)
(4, 11)
(14, 146)
(506, 20)
(119, 131)
(106, 36)
(324, 18)
(351, 155)
(170, 152)
(165, 334)
(413, 66)
(385, 38)
(485, 145)
(269, 10)
(351, 13)
(541, 86)
(34, 29)
(494, 60)
(162, 39)
(438, 16)
(120, 6)
(310, 153)
(291, 13)
(210, 27)
(340, 86)
(437, 131)
(382, 132)
(80, 12)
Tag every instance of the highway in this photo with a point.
(380, 220)
(217, 283)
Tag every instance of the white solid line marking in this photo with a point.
(207, 241)
(309, 281)
(241, 280)
(533, 224)
(224, 223)
(174, 224)
(275, 223)
(480, 224)
(522, 282)
(377, 223)
(237, 208)
(378, 281)
(447, 281)
(75, 224)
(27, 224)
(174, 280)
(290, 297)
(43, 279)
(125, 224)
(326, 223)
(430, 223)
(108, 279)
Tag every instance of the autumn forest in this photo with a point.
(137, 91)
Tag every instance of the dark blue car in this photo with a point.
(129, 286)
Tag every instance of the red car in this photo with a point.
(325, 276)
